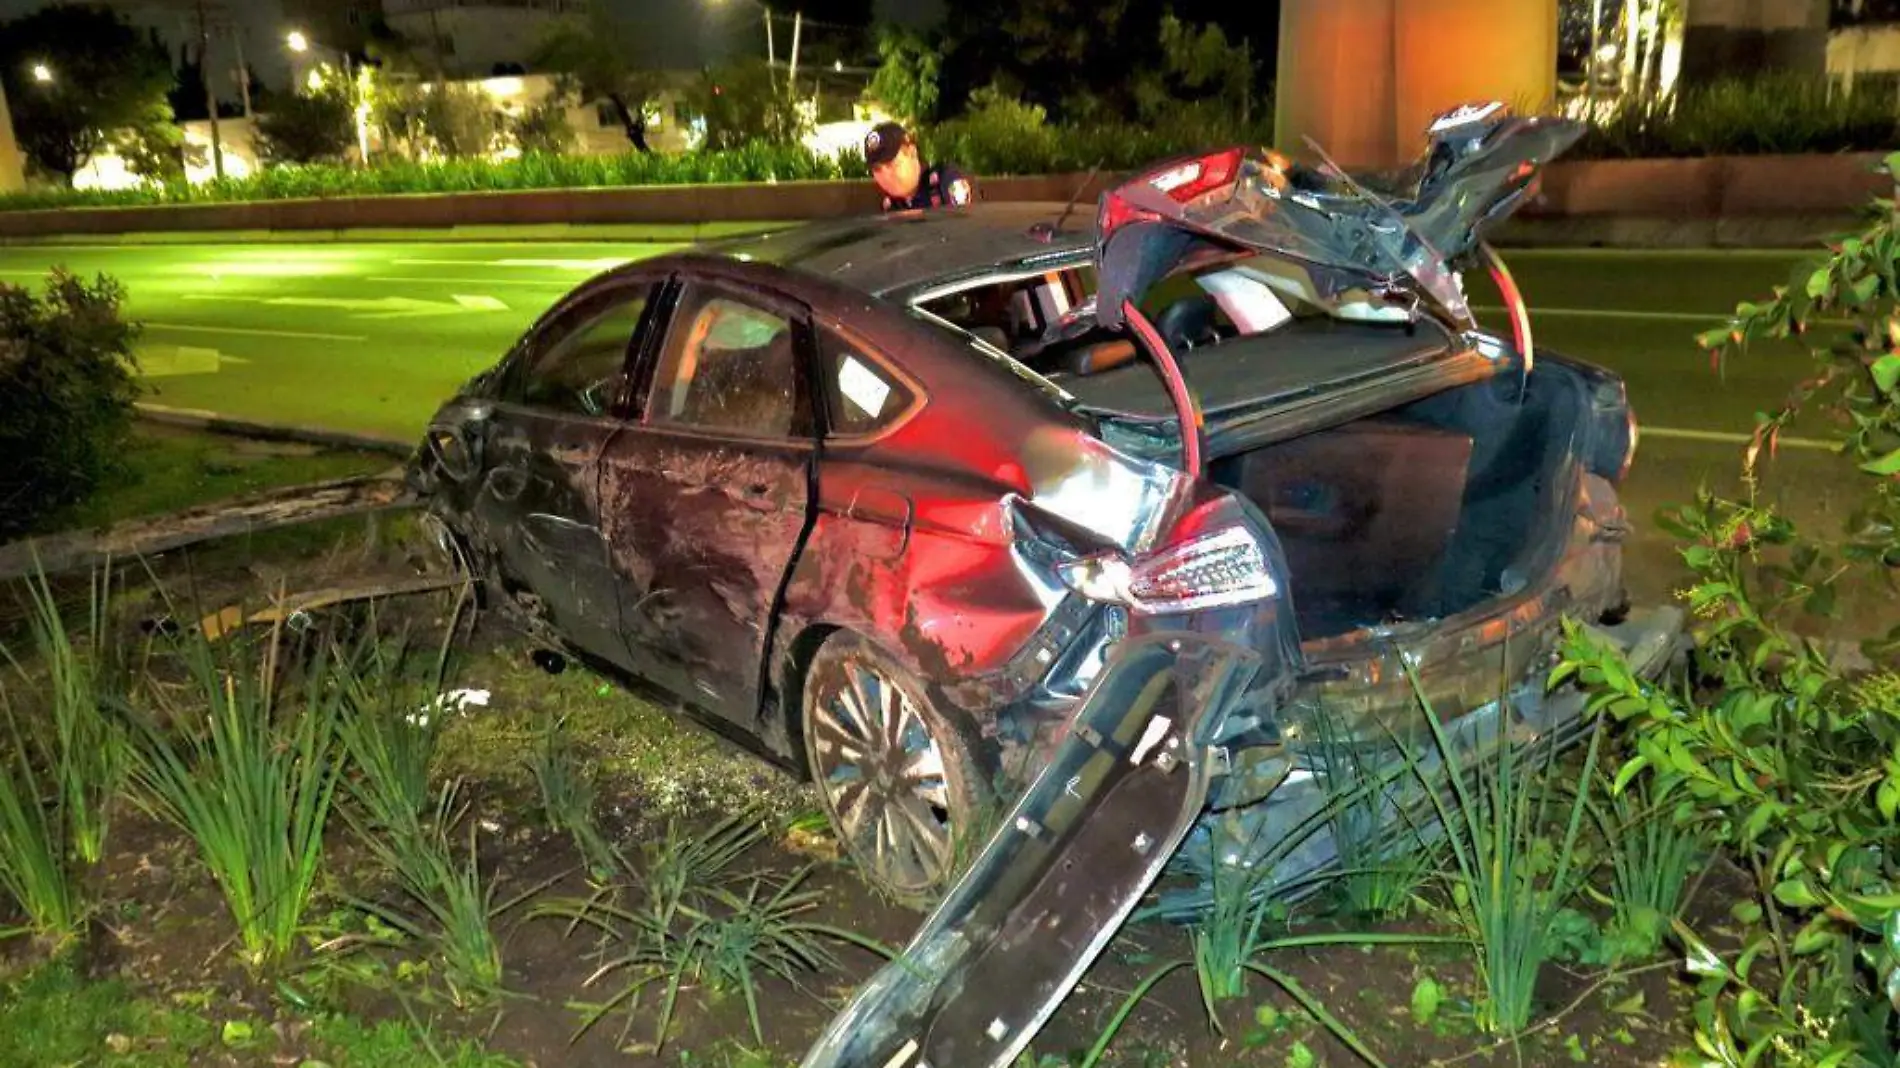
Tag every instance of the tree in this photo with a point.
(312, 127)
(459, 120)
(155, 151)
(599, 57)
(106, 79)
(542, 129)
(742, 104)
(908, 71)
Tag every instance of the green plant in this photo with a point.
(1652, 856)
(567, 795)
(33, 869)
(312, 127)
(251, 776)
(1786, 761)
(1382, 868)
(1509, 882)
(1758, 114)
(687, 920)
(66, 395)
(542, 128)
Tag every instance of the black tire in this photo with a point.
(909, 807)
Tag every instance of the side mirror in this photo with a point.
(454, 441)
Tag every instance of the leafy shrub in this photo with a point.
(542, 130)
(1787, 762)
(1001, 135)
(66, 394)
(1759, 115)
(742, 104)
(308, 127)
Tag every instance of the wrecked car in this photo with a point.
(968, 511)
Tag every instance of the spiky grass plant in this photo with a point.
(248, 766)
(567, 795)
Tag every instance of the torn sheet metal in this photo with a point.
(1068, 865)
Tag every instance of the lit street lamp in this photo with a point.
(297, 41)
(42, 73)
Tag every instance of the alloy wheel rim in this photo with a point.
(884, 777)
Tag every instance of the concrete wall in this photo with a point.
(1363, 78)
(646, 204)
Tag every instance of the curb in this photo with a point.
(212, 422)
(649, 233)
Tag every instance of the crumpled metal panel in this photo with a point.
(1070, 862)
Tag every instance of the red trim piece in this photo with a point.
(1184, 407)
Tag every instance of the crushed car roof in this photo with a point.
(894, 255)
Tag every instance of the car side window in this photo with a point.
(862, 396)
(579, 372)
(729, 365)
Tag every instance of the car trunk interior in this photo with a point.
(1422, 511)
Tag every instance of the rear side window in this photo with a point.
(730, 366)
(861, 395)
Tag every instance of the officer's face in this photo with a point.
(898, 178)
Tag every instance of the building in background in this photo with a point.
(476, 38)
(1729, 38)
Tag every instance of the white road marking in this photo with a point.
(1729, 437)
(1713, 318)
(165, 361)
(372, 307)
(596, 265)
(542, 283)
(303, 335)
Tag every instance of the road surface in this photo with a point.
(368, 337)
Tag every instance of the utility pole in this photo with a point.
(243, 72)
(771, 52)
(211, 98)
(791, 78)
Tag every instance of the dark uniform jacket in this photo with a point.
(939, 185)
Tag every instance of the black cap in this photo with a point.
(883, 143)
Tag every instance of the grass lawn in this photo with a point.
(168, 469)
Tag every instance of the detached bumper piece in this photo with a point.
(1071, 861)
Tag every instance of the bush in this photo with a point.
(1784, 759)
(1742, 117)
(542, 129)
(66, 393)
(1000, 135)
(308, 128)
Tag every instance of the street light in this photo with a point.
(297, 41)
(42, 73)
(355, 80)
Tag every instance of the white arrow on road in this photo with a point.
(165, 361)
(604, 264)
(373, 308)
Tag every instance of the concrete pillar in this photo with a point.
(12, 165)
(1736, 38)
(1363, 78)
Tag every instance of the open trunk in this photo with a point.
(1422, 511)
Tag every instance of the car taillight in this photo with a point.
(1184, 182)
(1217, 569)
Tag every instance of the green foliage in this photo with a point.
(1510, 883)
(744, 105)
(154, 149)
(52, 1016)
(458, 121)
(685, 919)
(33, 869)
(1781, 758)
(542, 129)
(107, 77)
(1003, 135)
(247, 765)
(604, 57)
(567, 795)
(312, 127)
(751, 163)
(907, 74)
(88, 751)
(1652, 856)
(66, 395)
(1761, 114)
(1383, 868)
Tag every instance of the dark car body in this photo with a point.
(934, 505)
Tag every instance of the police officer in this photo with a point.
(891, 152)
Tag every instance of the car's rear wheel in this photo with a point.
(899, 780)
